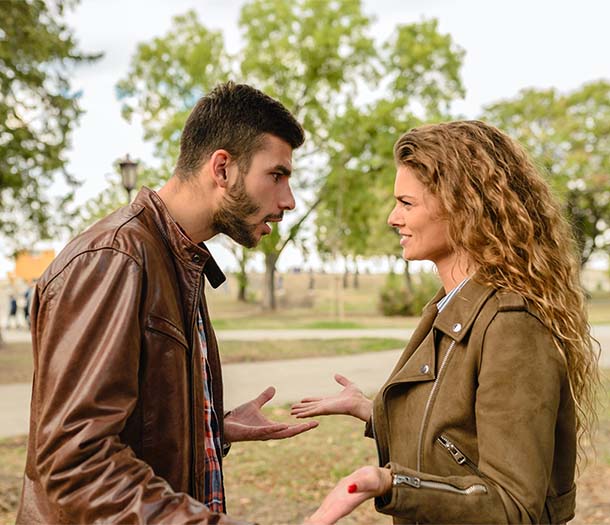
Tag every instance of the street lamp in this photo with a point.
(129, 174)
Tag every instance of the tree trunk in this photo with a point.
(408, 280)
(269, 301)
(408, 289)
(356, 281)
(312, 280)
(345, 278)
(242, 277)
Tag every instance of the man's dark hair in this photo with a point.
(233, 117)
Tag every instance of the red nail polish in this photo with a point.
(352, 488)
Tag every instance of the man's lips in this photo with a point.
(271, 218)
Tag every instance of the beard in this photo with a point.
(232, 217)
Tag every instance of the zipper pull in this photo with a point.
(412, 481)
(460, 458)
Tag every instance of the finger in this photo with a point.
(301, 414)
(367, 480)
(304, 404)
(342, 380)
(311, 399)
(264, 396)
(294, 430)
(263, 433)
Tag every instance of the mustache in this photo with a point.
(278, 216)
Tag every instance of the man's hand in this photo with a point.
(247, 422)
(351, 491)
(350, 401)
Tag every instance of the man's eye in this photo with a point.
(277, 177)
(406, 204)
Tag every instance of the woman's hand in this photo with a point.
(350, 401)
(351, 491)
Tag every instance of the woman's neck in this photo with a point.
(453, 270)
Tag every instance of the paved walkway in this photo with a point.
(293, 378)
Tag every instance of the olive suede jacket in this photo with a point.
(477, 419)
(116, 426)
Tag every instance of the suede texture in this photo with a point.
(479, 410)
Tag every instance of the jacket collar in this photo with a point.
(190, 254)
(457, 317)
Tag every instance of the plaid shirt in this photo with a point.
(214, 492)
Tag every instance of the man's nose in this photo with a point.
(287, 201)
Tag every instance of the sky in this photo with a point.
(509, 46)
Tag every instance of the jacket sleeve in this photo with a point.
(86, 346)
(517, 401)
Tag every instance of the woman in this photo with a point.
(478, 422)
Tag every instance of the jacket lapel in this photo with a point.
(420, 349)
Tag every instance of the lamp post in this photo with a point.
(129, 174)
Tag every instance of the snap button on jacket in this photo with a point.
(488, 435)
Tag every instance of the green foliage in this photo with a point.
(319, 59)
(568, 135)
(38, 111)
(419, 68)
(166, 78)
(114, 196)
(396, 299)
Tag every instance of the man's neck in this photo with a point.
(188, 206)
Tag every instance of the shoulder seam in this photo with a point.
(83, 252)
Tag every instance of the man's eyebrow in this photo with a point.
(282, 169)
(403, 197)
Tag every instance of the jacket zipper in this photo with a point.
(418, 483)
(429, 404)
(459, 457)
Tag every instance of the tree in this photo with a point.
(420, 68)
(38, 111)
(311, 55)
(113, 196)
(568, 135)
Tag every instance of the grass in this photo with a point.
(16, 363)
(599, 311)
(12, 463)
(284, 481)
(298, 319)
(16, 358)
(249, 351)
(328, 302)
(277, 482)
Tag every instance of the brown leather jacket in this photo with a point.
(477, 419)
(116, 426)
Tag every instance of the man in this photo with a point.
(127, 418)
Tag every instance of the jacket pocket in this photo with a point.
(167, 328)
(418, 483)
(457, 455)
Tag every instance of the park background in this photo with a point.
(83, 84)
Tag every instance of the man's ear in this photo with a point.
(219, 167)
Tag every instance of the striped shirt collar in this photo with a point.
(445, 300)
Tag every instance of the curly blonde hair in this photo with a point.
(504, 217)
